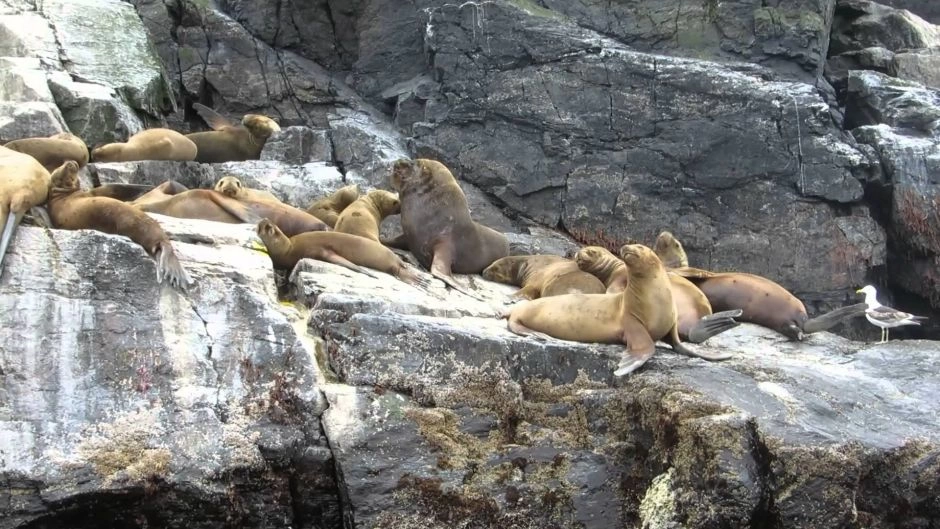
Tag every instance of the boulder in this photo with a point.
(873, 98)
(860, 24)
(926, 9)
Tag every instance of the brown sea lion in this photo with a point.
(230, 142)
(149, 144)
(670, 251)
(642, 314)
(364, 216)
(24, 185)
(232, 187)
(160, 193)
(693, 312)
(343, 249)
(329, 208)
(542, 275)
(72, 209)
(54, 150)
(761, 300)
(436, 222)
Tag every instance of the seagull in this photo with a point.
(885, 317)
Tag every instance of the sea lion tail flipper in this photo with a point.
(211, 117)
(712, 357)
(169, 267)
(8, 224)
(831, 318)
(633, 360)
(411, 277)
(516, 327)
(41, 216)
(337, 259)
(399, 242)
(713, 324)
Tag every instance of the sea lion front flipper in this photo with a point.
(831, 318)
(713, 324)
(400, 242)
(211, 117)
(440, 268)
(169, 267)
(7, 227)
(41, 216)
(690, 272)
(640, 347)
(122, 192)
(527, 292)
(332, 257)
(235, 208)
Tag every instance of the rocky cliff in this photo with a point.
(791, 139)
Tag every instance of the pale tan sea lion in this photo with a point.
(54, 150)
(329, 208)
(542, 275)
(230, 142)
(232, 186)
(149, 144)
(24, 185)
(364, 216)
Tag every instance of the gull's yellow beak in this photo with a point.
(859, 291)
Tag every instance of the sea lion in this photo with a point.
(343, 249)
(232, 187)
(24, 185)
(542, 275)
(54, 150)
(149, 144)
(639, 316)
(670, 251)
(693, 312)
(160, 193)
(436, 222)
(72, 209)
(329, 208)
(208, 204)
(230, 142)
(364, 216)
(761, 300)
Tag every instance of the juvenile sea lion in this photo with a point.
(642, 314)
(343, 249)
(24, 185)
(761, 300)
(364, 216)
(542, 275)
(208, 204)
(670, 251)
(72, 209)
(232, 187)
(329, 208)
(230, 142)
(54, 150)
(436, 222)
(693, 312)
(149, 144)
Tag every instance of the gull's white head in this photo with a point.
(870, 295)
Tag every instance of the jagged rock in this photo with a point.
(142, 403)
(574, 130)
(27, 108)
(365, 147)
(298, 145)
(860, 24)
(926, 9)
(873, 98)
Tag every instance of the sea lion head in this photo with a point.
(345, 196)
(261, 127)
(504, 270)
(411, 173)
(229, 186)
(272, 236)
(387, 203)
(591, 258)
(403, 170)
(106, 152)
(66, 176)
(670, 251)
(640, 259)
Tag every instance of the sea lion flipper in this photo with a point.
(169, 267)
(337, 259)
(673, 340)
(235, 208)
(41, 216)
(713, 324)
(7, 227)
(211, 117)
(400, 242)
(690, 272)
(527, 292)
(640, 347)
(119, 191)
(831, 318)
(440, 267)
(516, 327)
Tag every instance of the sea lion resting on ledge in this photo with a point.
(329, 208)
(53, 151)
(637, 318)
(70, 208)
(542, 276)
(24, 185)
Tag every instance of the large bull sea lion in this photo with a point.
(24, 185)
(72, 209)
(231, 142)
(149, 144)
(343, 249)
(638, 317)
(542, 276)
(54, 150)
(436, 222)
